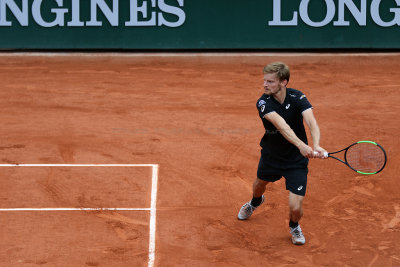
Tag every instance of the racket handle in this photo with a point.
(325, 154)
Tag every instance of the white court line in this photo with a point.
(153, 210)
(74, 209)
(153, 201)
(192, 54)
(78, 165)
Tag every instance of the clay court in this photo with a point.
(192, 118)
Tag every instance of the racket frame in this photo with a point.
(348, 165)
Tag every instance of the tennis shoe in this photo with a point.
(247, 209)
(297, 236)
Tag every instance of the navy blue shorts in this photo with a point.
(296, 178)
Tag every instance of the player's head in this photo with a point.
(280, 69)
(276, 77)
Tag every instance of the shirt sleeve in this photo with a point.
(304, 104)
(263, 108)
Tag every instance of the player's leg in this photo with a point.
(247, 209)
(295, 208)
(259, 187)
(296, 183)
(265, 175)
(295, 214)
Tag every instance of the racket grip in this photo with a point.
(325, 154)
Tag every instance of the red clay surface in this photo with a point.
(195, 116)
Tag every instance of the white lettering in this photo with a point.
(111, 15)
(20, 14)
(377, 18)
(330, 13)
(75, 20)
(37, 15)
(171, 10)
(359, 15)
(276, 19)
(358, 12)
(139, 13)
(135, 9)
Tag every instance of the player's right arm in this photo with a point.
(287, 132)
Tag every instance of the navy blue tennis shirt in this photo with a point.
(276, 151)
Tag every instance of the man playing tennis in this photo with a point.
(285, 150)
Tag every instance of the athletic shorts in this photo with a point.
(296, 178)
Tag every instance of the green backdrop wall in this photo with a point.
(199, 24)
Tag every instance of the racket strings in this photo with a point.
(365, 157)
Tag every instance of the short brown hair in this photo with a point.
(281, 69)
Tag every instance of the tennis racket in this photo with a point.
(364, 157)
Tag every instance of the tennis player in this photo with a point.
(285, 151)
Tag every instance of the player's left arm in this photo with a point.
(312, 124)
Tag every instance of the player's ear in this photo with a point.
(284, 82)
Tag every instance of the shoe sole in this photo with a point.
(298, 243)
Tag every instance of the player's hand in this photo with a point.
(306, 151)
(320, 153)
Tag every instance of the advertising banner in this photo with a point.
(199, 24)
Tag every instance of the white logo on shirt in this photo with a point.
(262, 108)
(288, 106)
(261, 102)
